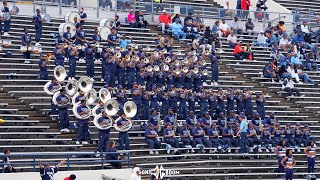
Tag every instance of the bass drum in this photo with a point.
(104, 32)
(107, 23)
(70, 16)
(63, 29)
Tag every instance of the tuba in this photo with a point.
(83, 116)
(130, 109)
(91, 96)
(72, 87)
(46, 88)
(60, 73)
(104, 126)
(55, 102)
(94, 110)
(85, 84)
(104, 95)
(111, 107)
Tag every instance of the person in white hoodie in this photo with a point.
(135, 174)
(293, 72)
(261, 40)
(288, 86)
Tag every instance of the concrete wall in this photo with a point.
(118, 174)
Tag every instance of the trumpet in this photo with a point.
(196, 70)
(165, 67)
(185, 69)
(205, 72)
(156, 54)
(203, 62)
(177, 71)
(118, 54)
(164, 51)
(149, 68)
(177, 63)
(146, 60)
(127, 58)
(156, 68)
(168, 59)
(136, 58)
(185, 60)
(207, 52)
(195, 58)
(121, 49)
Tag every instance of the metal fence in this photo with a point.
(31, 160)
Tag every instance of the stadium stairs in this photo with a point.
(29, 128)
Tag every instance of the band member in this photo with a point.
(253, 140)
(280, 151)
(123, 136)
(96, 38)
(206, 121)
(169, 118)
(288, 163)
(271, 120)
(25, 41)
(289, 132)
(47, 172)
(228, 137)
(239, 99)
(223, 120)
(67, 37)
(113, 38)
(145, 100)
(248, 107)
(257, 122)
(266, 137)
(220, 98)
(311, 153)
(169, 136)
(191, 121)
(7, 16)
(198, 137)
(154, 98)
(215, 68)
(58, 53)
(81, 40)
(277, 132)
(230, 100)
(89, 61)
(103, 134)
(113, 155)
(83, 124)
(54, 85)
(203, 100)
(213, 134)
(110, 70)
(151, 139)
(80, 97)
(185, 136)
(299, 141)
(37, 20)
(63, 101)
(83, 16)
(76, 23)
(43, 73)
(121, 95)
(136, 92)
(260, 105)
(154, 119)
(72, 54)
(307, 134)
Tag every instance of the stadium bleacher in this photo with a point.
(28, 127)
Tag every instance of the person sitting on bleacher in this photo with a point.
(291, 70)
(188, 18)
(299, 38)
(164, 20)
(288, 86)
(187, 28)
(261, 40)
(169, 137)
(199, 22)
(238, 51)
(198, 136)
(269, 72)
(176, 16)
(256, 122)
(232, 40)
(224, 28)
(248, 52)
(253, 140)
(289, 132)
(277, 132)
(315, 51)
(195, 30)
(235, 26)
(177, 30)
(141, 22)
(284, 43)
(216, 28)
(151, 139)
(6, 161)
(228, 137)
(113, 155)
(205, 122)
(307, 135)
(304, 76)
(132, 19)
(213, 134)
(310, 63)
(250, 27)
(266, 138)
(185, 136)
(298, 139)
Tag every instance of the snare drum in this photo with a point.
(70, 16)
(63, 29)
(29, 48)
(107, 23)
(23, 49)
(104, 32)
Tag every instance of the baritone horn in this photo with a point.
(85, 84)
(111, 107)
(60, 73)
(168, 59)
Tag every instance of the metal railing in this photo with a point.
(70, 158)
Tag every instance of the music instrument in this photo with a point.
(177, 63)
(156, 54)
(146, 60)
(165, 67)
(104, 95)
(118, 54)
(94, 110)
(74, 98)
(185, 60)
(156, 68)
(164, 51)
(45, 18)
(59, 73)
(83, 116)
(37, 50)
(91, 96)
(130, 109)
(6, 42)
(104, 32)
(177, 71)
(103, 126)
(136, 58)
(168, 59)
(196, 70)
(149, 68)
(127, 58)
(185, 69)
(107, 23)
(111, 107)
(14, 9)
(121, 49)
(195, 58)
(23, 49)
(205, 72)
(85, 84)
(63, 28)
(203, 62)
(63, 103)
(69, 17)
(53, 90)
(72, 87)
(195, 44)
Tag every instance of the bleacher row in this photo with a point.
(29, 128)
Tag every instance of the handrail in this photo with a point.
(64, 156)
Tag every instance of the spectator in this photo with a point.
(288, 86)
(232, 40)
(224, 28)
(269, 72)
(199, 22)
(47, 172)
(250, 26)
(216, 28)
(216, 42)
(188, 29)
(140, 20)
(284, 43)
(105, 3)
(305, 27)
(83, 16)
(177, 16)
(7, 167)
(299, 38)
(245, 4)
(310, 62)
(315, 52)
(261, 40)
(229, 11)
(307, 38)
(292, 72)
(117, 22)
(317, 35)
(135, 174)
(71, 177)
(304, 76)
(238, 51)
(164, 20)
(132, 19)
(124, 41)
(188, 18)
(195, 30)
(295, 60)
(113, 155)
(158, 5)
(248, 52)
(177, 30)
(235, 26)
(281, 26)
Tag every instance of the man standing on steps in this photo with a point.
(214, 68)
(243, 135)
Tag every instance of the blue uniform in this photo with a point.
(63, 112)
(83, 15)
(26, 41)
(214, 68)
(6, 13)
(298, 138)
(248, 107)
(59, 57)
(214, 137)
(239, 100)
(165, 104)
(253, 140)
(47, 174)
(138, 101)
(154, 101)
(170, 140)
(123, 136)
(230, 101)
(187, 141)
(152, 142)
(228, 140)
(154, 119)
(67, 36)
(72, 63)
(104, 135)
(112, 39)
(53, 106)
(205, 123)
(83, 125)
(173, 101)
(145, 101)
(182, 105)
(220, 107)
(266, 139)
(38, 26)
(198, 137)
(260, 107)
(192, 102)
(203, 101)
(289, 137)
(89, 61)
(43, 71)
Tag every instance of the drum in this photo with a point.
(14, 10)
(23, 49)
(29, 48)
(37, 50)
(107, 23)
(70, 16)
(6, 43)
(104, 32)
(63, 28)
